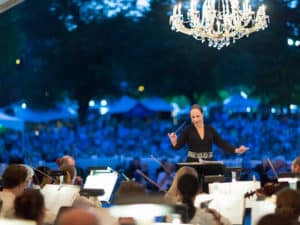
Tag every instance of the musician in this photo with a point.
(165, 178)
(200, 137)
(288, 204)
(295, 167)
(15, 181)
(173, 195)
(40, 179)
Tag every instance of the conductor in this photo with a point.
(200, 137)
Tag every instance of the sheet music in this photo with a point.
(238, 188)
(16, 222)
(57, 196)
(105, 181)
(230, 206)
(260, 209)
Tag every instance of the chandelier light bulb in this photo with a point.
(220, 22)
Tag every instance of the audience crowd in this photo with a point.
(267, 136)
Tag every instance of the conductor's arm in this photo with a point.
(173, 138)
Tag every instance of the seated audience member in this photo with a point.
(172, 194)
(288, 204)
(188, 187)
(78, 216)
(14, 181)
(30, 205)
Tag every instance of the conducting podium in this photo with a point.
(208, 171)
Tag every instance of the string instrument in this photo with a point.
(267, 190)
(162, 165)
(44, 174)
(41, 172)
(150, 180)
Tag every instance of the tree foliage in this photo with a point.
(97, 58)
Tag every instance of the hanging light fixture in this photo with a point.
(221, 21)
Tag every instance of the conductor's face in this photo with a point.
(196, 116)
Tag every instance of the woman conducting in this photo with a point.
(200, 137)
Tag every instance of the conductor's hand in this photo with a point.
(241, 149)
(173, 138)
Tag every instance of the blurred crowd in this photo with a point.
(274, 137)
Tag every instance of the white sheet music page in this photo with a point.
(57, 196)
(230, 206)
(16, 222)
(105, 181)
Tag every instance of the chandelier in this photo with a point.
(222, 21)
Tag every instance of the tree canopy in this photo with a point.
(98, 58)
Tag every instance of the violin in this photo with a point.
(267, 190)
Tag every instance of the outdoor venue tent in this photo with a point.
(157, 104)
(37, 116)
(130, 107)
(123, 105)
(11, 122)
(239, 103)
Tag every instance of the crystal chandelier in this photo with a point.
(222, 22)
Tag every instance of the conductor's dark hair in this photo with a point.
(196, 106)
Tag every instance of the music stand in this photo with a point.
(233, 172)
(208, 171)
(102, 180)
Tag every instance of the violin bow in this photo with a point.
(150, 180)
(272, 167)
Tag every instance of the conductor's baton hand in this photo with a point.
(172, 135)
(173, 138)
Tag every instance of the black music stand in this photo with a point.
(233, 173)
(208, 172)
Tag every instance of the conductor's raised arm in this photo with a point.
(173, 138)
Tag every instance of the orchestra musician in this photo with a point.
(295, 167)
